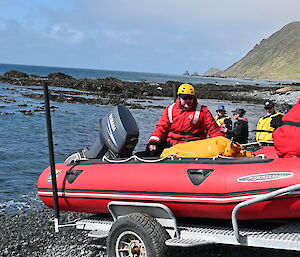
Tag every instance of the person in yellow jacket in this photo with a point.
(268, 123)
(222, 119)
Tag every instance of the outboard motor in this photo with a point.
(118, 136)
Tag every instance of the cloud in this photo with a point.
(187, 12)
(123, 37)
(212, 24)
(65, 34)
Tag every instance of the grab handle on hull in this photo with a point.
(197, 176)
(72, 175)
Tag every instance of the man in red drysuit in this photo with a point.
(286, 137)
(183, 121)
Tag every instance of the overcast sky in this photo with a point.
(164, 36)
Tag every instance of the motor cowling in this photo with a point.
(118, 136)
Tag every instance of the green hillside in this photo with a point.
(277, 57)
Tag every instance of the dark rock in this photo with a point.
(114, 91)
(59, 75)
(7, 113)
(26, 112)
(13, 74)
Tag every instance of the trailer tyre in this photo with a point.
(137, 235)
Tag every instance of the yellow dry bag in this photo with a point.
(207, 148)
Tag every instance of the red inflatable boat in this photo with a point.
(203, 188)
(199, 188)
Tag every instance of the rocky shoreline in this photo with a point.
(30, 232)
(114, 91)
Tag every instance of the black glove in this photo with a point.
(151, 143)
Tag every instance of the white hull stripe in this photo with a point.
(151, 197)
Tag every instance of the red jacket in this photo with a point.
(286, 138)
(179, 125)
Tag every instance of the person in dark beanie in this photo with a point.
(240, 132)
(222, 119)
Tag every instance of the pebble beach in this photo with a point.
(31, 233)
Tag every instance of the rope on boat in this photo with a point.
(171, 156)
(76, 157)
(259, 143)
(229, 157)
(261, 155)
(136, 158)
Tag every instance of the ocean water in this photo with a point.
(23, 138)
(130, 76)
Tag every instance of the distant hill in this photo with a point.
(277, 57)
(213, 72)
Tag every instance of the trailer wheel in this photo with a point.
(137, 235)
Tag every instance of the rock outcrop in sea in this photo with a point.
(195, 74)
(114, 91)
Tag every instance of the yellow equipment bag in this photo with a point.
(207, 148)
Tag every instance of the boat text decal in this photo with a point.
(50, 176)
(265, 177)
